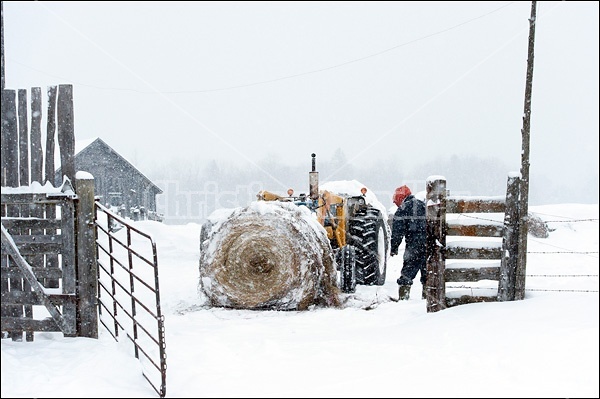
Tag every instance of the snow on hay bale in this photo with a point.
(269, 255)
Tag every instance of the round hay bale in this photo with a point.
(269, 255)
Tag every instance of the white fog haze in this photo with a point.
(214, 101)
(168, 250)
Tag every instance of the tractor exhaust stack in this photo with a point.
(313, 179)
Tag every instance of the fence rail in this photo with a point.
(488, 239)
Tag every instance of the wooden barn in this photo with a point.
(118, 183)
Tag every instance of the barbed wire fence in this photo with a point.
(526, 289)
(563, 251)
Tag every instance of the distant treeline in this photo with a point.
(194, 189)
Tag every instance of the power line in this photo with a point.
(569, 221)
(273, 80)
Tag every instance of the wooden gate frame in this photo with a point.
(49, 261)
(510, 275)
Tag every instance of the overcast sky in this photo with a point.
(249, 80)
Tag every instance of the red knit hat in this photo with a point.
(400, 194)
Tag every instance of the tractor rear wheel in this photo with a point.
(369, 235)
(347, 264)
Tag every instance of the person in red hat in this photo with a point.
(409, 222)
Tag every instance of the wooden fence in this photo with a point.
(54, 248)
(48, 262)
(23, 161)
(48, 252)
(500, 252)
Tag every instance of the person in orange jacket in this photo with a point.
(409, 223)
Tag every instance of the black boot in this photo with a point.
(403, 292)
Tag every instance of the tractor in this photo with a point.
(357, 231)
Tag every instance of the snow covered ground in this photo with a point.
(543, 346)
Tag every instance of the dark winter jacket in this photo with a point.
(409, 222)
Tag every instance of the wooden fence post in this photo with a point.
(37, 157)
(50, 132)
(525, 143)
(51, 260)
(436, 243)
(10, 178)
(510, 242)
(10, 143)
(66, 132)
(87, 268)
(24, 180)
(23, 138)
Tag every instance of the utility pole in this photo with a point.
(524, 199)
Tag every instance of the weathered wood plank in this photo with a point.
(487, 252)
(22, 324)
(36, 211)
(87, 269)
(474, 230)
(471, 274)
(50, 133)
(474, 205)
(24, 180)
(10, 176)
(10, 145)
(27, 198)
(51, 259)
(15, 285)
(23, 240)
(435, 214)
(466, 299)
(36, 152)
(30, 223)
(66, 131)
(34, 298)
(23, 138)
(40, 272)
(37, 239)
(33, 248)
(69, 263)
(508, 283)
(4, 309)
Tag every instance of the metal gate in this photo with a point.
(128, 292)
